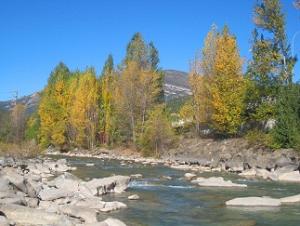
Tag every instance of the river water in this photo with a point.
(177, 202)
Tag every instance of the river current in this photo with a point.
(177, 202)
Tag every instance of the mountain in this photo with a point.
(175, 86)
(31, 102)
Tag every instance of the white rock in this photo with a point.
(248, 173)
(254, 201)
(216, 182)
(293, 176)
(133, 197)
(189, 176)
(290, 199)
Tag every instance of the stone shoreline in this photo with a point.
(282, 165)
(42, 192)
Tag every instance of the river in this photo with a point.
(177, 202)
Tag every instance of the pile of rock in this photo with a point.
(42, 192)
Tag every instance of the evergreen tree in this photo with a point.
(287, 130)
(272, 63)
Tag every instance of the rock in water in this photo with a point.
(293, 176)
(189, 176)
(254, 201)
(133, 197)
(290, 199)
(105, 185)
(216, 182)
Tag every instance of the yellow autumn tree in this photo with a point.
(53, 108)
(202, 71)
(227, 86)
(84, 110)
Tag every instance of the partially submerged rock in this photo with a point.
(133, 197)
(105, 185)
(290, 199)
(254, 201)
(190, 176)
(216, 182)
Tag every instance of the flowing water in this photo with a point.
(177, 202)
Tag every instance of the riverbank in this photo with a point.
(207, 155)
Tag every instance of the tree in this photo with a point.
(202, 72)
(107, 113)
(286, 133)
(272, 63)
(53, 108)
(137, 51)
(33, 127)
(18, 122)
(135, 94)
(84, 111)
(158, 132)
(146, 57)
(227, 86)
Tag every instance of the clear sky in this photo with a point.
(37, 34)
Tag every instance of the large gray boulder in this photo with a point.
(4, 184)
(49, 194)
(105, 185)
(14, 178)
(29, 216)
(254, 201)
(87, 215)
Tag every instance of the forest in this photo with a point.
(125, 105)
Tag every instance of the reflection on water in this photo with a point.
(177, 202)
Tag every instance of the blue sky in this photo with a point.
(36, 34)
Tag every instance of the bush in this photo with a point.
(258, 137)
(23, 150)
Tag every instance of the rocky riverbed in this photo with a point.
(42, 192)
(110, 189)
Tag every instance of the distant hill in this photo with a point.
(176, 86)
(30, 102)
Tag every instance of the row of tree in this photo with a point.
(226, 101)
(77, 109)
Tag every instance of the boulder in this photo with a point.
(4, 184)
(293, 176)
(28, 216)
(290, 199)
(33, 188)
(15, 200)
(88, 215)
(32, 202)
(190, 176)
(105, 185)
(14, 178)
(4, 221)
(254, 201)
(133, 197)
(282, 161)
(216, 182)
(111, 206)
(235, 165)
(136, 176)
(287, 169)
(248, 173)
(114, 222)
(50, 194)
(108, 222)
